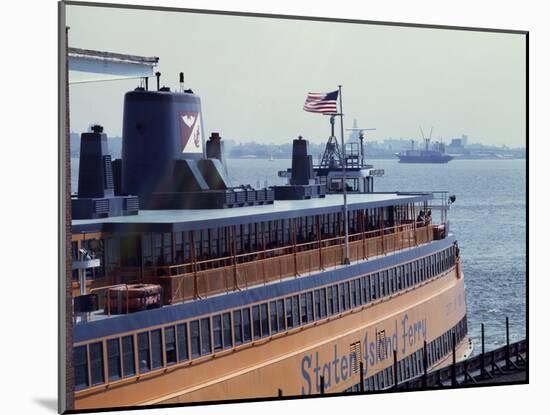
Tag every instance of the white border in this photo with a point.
(29, 202)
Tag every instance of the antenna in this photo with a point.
(181, 81)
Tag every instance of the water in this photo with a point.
(488, 219)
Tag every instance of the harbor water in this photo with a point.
(488, 219)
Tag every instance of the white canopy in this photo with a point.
(93, 66)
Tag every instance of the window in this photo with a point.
(377, 284)
(346, 285)
(382, 285)
(390, 375)
(195, 339)
(309, 306)
(317, 305)
(80, 364)
(143, 352)
(424, 272)
(303, 305)
(96, 363)
(363, 288)
(295, 311)
(335, 298)
(128, 361)
(113, 359)
(289, 320)
(398, 278)
(227, 335)
(265, 320)
(170, 345)
(371, 286)
(323, 302)
(273, 316)
(281, 315)
(256, 321)
(237, 327)
(206, 347)
(342, 297)
(367, 289)
(391, 282)
(353, 293)
(330, 302)
(156, 349)
(217, 329)
(182, 342)
(247, 328)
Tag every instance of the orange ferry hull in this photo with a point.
(293, 362)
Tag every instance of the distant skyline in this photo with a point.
(253, 75)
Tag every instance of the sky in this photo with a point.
(253, 75)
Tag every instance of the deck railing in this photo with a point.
(201, 279)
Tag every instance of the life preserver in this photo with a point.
(133, 297)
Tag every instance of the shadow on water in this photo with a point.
(48, 403)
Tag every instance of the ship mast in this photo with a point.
(426, 140)
(361, 139)
(332, 156)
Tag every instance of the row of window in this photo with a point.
(158, 249)
(413, 365)
(178, 343)
(168, 248)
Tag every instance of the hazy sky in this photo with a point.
(253, 75)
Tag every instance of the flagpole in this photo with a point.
(343, 161)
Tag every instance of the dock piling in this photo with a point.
(482, 369)
(362, 378)
(507, 366)
(453, 367)
(425, 364)
(395, 383)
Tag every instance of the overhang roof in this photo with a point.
(86, 65)
(194, 219)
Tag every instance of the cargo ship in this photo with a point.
(435, 154)
(190, 288)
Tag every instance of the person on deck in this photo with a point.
(428, 218)
(420, 218)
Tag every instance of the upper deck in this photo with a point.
(193, 219)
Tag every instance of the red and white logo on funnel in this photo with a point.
(190, 126)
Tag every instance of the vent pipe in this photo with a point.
(157, 74)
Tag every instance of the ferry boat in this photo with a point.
(188, 288)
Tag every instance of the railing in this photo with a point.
(201, 279)
(487, 367)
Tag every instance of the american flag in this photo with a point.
(324, 103)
